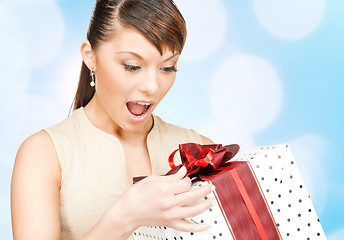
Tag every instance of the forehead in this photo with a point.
(130, 40)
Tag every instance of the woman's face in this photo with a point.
(132, 77)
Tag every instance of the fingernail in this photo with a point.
(181, 169)
(213, 188)
(213, 202)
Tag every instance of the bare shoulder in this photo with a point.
(38, 139)
(37, 160)
(35, 189)
(39, 152)
(206, 140)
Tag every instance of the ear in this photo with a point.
(88, 55)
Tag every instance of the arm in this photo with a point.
(35, 195)
(35, 190)
(154, 201)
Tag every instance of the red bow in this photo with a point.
(203, 160)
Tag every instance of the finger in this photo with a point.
(176, 176)
(191, 211)
(193, 195)
(185, 226)
(179, 186)
(198, 208)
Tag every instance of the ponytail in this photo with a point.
(85, 92)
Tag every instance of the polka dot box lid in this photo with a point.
(284, 192)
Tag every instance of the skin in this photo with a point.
(156, 200)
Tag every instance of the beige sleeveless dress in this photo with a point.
(93, 167)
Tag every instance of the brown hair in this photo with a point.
(158, 20)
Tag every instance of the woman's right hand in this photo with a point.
(164, 201)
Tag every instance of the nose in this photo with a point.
(150, 83)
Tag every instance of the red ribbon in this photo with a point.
(249, 205)
(202, 160)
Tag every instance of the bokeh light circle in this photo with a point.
(206, 22)
(310, 151)
(247, 92)
(67, 82)
(13, 46)
(290, 19)
(226, 133)
(35, 121)
(43, 26)
(337, 235)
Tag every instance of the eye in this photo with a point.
(169, 69)
(131, 68)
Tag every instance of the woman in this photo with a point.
(74, 180)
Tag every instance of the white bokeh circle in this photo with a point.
(13, 46)
(337, 235)
(27, 114)
(43, 26)
(5, 209)
(6, 166)
(246, 91)
(226, 133)
(12, 125)
(206, 22)
(290, 19)
(31, 1)
(13, 92)
(68, 82)
(40, 112)
(309, 152)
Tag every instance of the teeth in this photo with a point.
(144, 104)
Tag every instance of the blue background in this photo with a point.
(40, 63)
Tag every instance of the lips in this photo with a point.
(138, 108)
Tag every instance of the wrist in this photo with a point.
(122, 220)
(116, 223)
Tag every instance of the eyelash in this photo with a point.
(169, 69)
(133, 68)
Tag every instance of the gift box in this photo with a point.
(259, 191)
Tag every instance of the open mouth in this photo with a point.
(138, 109)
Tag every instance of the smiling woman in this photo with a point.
(74, 180)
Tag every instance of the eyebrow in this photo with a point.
(140, 57)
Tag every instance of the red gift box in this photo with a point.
(237, 191)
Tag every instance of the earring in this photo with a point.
(92, 83)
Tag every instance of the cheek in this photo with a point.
(167, 84)
(164, 87)
(110, 82)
